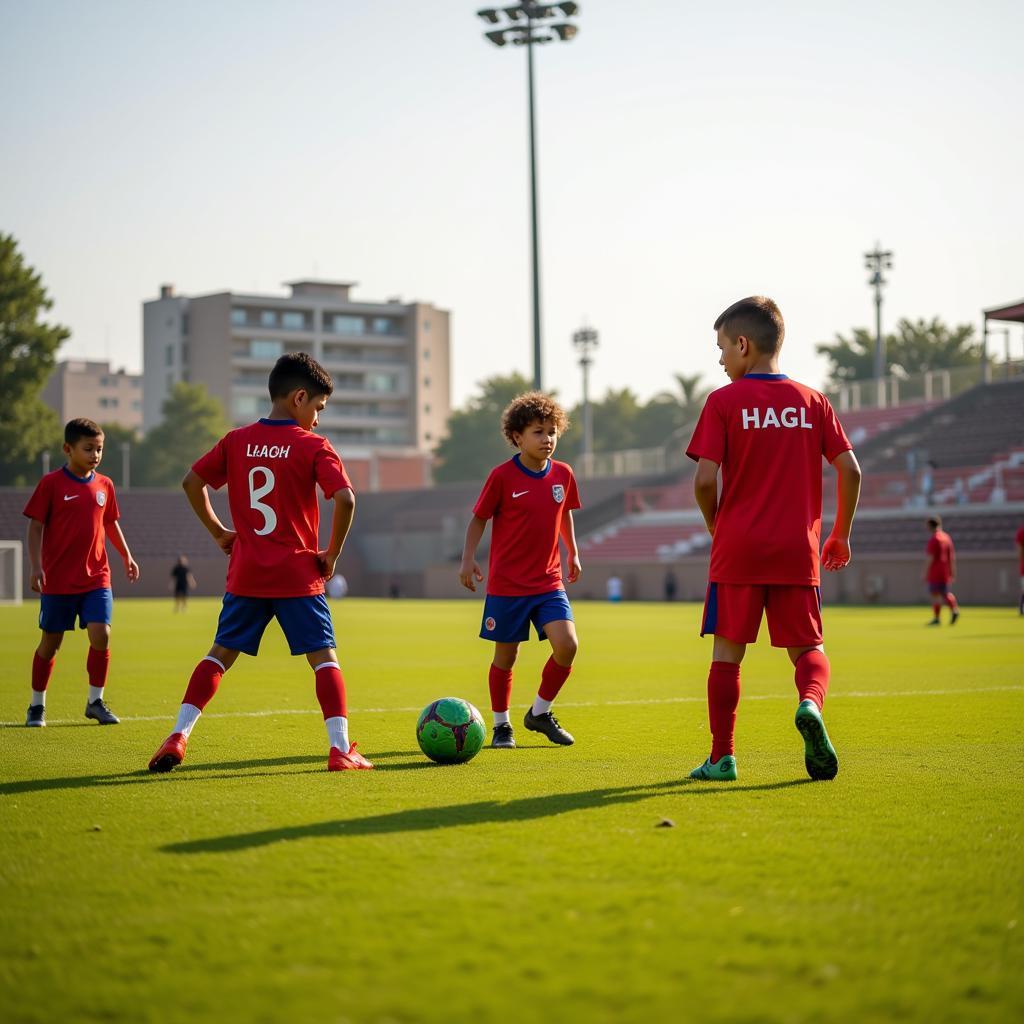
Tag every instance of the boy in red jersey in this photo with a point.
(531, 500)
(272, 469)
(73, 511)
(1019, 538)
(768, 435)
(940, 571)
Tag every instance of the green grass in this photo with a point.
(527, 885)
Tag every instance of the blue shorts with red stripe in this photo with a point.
(733, 611)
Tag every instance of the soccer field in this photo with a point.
(527, 885)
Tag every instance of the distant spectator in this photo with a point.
(928, 481)
(1020, 555)
(182, 581)
(960, 491)
(337, 586)
(614, 588)
(394, 590)
(671, 585)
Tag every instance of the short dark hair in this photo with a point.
(528, 407)
(758, 318)
(296, 370)
(934, 523)
(75, 430)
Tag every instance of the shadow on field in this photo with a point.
(425, 819)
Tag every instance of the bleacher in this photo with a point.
(638, 542)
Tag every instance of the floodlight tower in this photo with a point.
(877, 261)
(528, 25)
(585, 340)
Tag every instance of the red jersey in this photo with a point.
(272, 468)
(768, 434)
(75, 512)
(527, 509)
(940, 553)
(1020, 544)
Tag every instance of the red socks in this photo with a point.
(552, 677)
(812, 674)
(330, 690)
(96, 664)
(499, 681)
(951, 601)
(41, 672)
(203, 685)
(723, 699)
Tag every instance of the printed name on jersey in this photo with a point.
(101, 498)
(558, 493)
(760, 419)
(267, 451)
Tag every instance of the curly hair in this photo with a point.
(525, 409)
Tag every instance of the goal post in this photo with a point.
(10, 572)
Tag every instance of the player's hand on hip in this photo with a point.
(575, 568)
(226, 540)
(836, 553)
(37, 581)
(469, 577)
(131, 568)
(327, 560)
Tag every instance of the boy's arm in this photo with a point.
(836, 553)
(341, 523)
(705, 490)
(469, 571)
(198, 497)
(37, 578)
(568, 530)
(131, 567)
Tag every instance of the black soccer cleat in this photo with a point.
(503, 738)
(36, 715)
(99, 712)
(954, 617)
(548, 725)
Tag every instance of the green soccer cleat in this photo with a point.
(819, 754)
(722, 770)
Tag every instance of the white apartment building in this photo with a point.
(389, 361)
(91, 389)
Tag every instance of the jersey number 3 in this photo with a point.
(255, 493)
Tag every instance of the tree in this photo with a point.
(474, 444)
(28, 350)
(193, 422)
(916, 347)
(114, 436)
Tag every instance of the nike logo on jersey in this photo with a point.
(70, 497)
(519, 494)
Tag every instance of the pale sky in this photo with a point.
(689, 154)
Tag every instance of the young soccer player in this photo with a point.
(272, 469)
(530, 499)
(767, 434)
(1019, 538)
(940, 571)
(73, 511)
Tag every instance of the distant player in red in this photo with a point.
(767, 434)
(73, 512)
(272, 469)
(940, 571)
(1020, 555)
(529, 500)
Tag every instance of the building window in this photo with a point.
(169, 355)
(426, 326)
(383, 325)
(260, 348)
(136, 404)
(381, 382)
(348, 324)
(426, 409)
(239, 317)
(268, 318)
(426, 354)
(293, 321)
(426, 382)
(245, 405)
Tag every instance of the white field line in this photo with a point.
(860, 694)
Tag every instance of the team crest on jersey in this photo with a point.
(558, 493)
(490, 624)
(101, 498)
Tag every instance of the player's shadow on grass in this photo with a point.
(427, 819)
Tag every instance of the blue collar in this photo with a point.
(765, 376)
(536, 474)
(80, 479)
(277, 423)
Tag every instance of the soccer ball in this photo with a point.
(450, 731)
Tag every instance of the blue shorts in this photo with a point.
(305, 622)
(938, 589)
(57, 612)
(507, 619)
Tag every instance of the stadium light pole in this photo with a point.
(585, 341)
(529, 25)
(877, 261)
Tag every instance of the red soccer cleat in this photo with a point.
(170, 754)
(339, 762)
